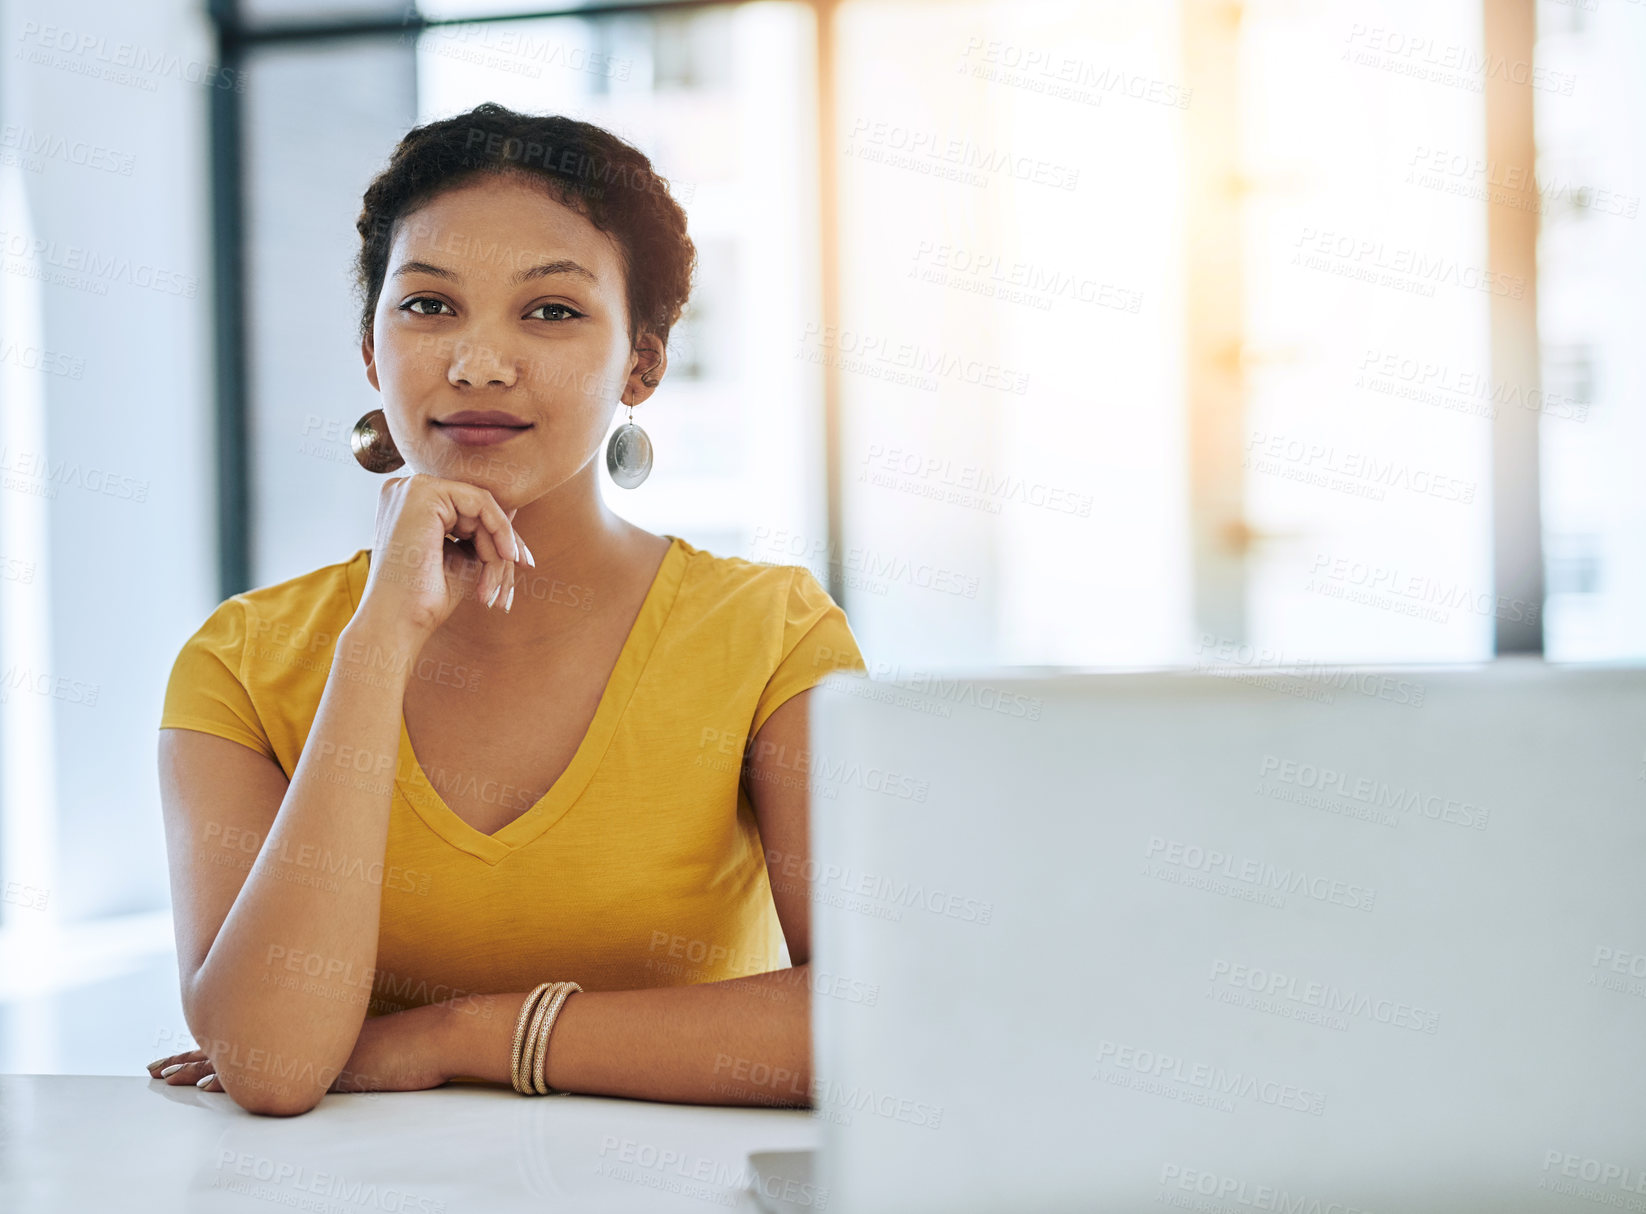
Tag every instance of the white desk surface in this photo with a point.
(73, 1143)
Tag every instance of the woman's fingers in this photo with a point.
(159, 1064)
(495, 543)
(485, 551)
(193, 1067)
(178, 1072)
(500, 525)
(470, 513)
(493, 537)
(525, 552)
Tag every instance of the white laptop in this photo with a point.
(1341, 941)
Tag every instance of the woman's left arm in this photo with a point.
(743, 1041)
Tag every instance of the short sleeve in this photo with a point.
(206, 690)
(816, 642)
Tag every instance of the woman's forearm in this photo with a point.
(277, 1025)
(744, 1041)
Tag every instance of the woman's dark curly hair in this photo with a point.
(609, 182)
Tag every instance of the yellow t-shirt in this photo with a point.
(640, 867)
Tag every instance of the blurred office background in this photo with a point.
(1104, 333)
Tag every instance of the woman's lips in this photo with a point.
(480, 436)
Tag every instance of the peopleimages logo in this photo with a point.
(1413, 594)
(703, 1177)
(1379, 793)
(93, 263)
(28, 467)
(934, 477)
(1627, 1178)
(949, 693)
(1430, 382)
(26, 141)
(1372, 260)
(120, 62)
(1157, 1065)
(1060, 75)
(926, 146)
(880, 887)
(853, 350)
(1362, 473)
(1275, 984)
(1451, 63)
(829, 1095)
(1237, 659)
(875, 568)
(1198, 1183)
(1260, 873)
(297, 1184)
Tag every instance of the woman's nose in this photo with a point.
(479, 361)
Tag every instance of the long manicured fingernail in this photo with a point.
(204, 1080)
(154, 1064)
(176, 1066)
(508, 603)
(495, 593)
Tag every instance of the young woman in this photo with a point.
(518, 740)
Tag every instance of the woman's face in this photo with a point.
(497, 297)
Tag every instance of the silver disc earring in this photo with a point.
(629, 454)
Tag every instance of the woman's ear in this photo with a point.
(369, 353)
(646, 372)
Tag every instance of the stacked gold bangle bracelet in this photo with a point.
(541, 1008)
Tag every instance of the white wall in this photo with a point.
(107, 527)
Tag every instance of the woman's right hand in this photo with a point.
(418, 576)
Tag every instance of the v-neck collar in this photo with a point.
(552, 805)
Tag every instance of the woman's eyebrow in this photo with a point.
(547, 269)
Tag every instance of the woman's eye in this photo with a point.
(570, 313)
(562, 312)
(411, 305)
